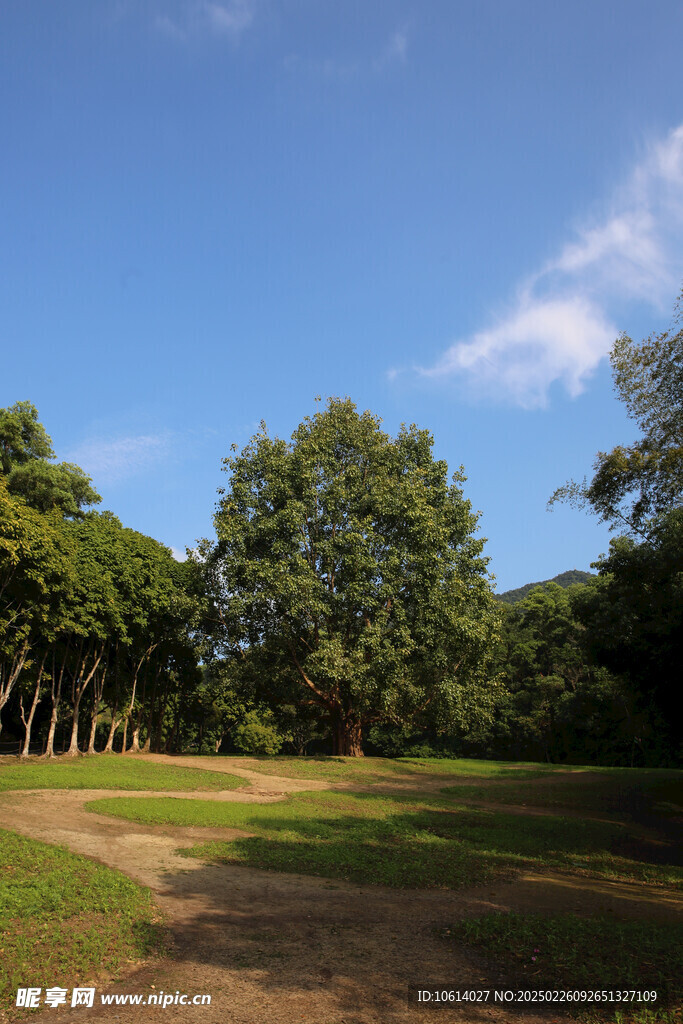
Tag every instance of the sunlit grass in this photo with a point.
(111, 771)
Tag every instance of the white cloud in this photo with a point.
(539, 342)
(559, 327)
(113, 460)
(178, 554)
(229, 18)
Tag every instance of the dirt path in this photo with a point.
(285, 949)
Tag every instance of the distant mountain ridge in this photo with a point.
(565, 579)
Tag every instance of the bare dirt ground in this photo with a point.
(286, 949)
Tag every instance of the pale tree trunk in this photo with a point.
(56, 695)
(135, 740)
(115, 723)
(78, 691)
(28, 722)
(98, 687)
(135, 746)
(8, 677)
(136, 721)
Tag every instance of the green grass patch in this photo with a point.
(567, 952)
(64, 918)
(405, 841)
(111, 771)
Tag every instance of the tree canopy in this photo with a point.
(347, 576)
(635, 484)
(26, 456)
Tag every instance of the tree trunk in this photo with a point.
(347, 738)
(56, 694)
(135, 740)
(93, 729)
(115, 723)
(135, 748)
(7, 680)
(49, 746)
(78, 689)
(73, 750)
(28, 722)
(98, 690)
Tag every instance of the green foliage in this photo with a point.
(347, 577)
(110, 772)
(560, 705)
(257, 734)
(25, 454)
(22, 437)
(46, 486)
(64, 918)
(567, 952)
(634, 626)
(636, 484)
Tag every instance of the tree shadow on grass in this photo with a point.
(431, 848)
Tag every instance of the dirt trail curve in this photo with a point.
(287, 949)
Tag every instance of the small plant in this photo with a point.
(257, 734)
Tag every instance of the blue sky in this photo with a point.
(215, 211)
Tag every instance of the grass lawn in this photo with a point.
(567, 952)
(65, 919)
(111, 771)
(405, 841)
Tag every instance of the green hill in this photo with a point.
(565, 579)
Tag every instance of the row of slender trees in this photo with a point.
(94, 618)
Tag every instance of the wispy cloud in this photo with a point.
(395, 50)
(229, 19)
(112, 460)
(561, 324)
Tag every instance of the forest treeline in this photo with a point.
(563, 579)
(345, 605)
